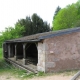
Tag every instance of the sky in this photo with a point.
(12, 10)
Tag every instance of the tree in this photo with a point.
(56, 12)
(19, 30)
(11, 33)
(39, 25)
(67, 17)
(33, 25)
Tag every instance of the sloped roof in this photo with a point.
(40, 36)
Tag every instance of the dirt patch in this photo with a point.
(7, 77)
(54, 77)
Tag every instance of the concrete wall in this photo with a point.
(62, 52)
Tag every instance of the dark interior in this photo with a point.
(32, 53)
(5, 50)
(12, 49)
(19, 50)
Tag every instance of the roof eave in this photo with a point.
(19, 41)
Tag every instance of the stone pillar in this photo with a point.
(8, 50)
(24, 54)
(15, 57)
(41, 57)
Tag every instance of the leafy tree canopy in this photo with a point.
(11, 33)
(67, 17)
(33, 25)
(56, 12)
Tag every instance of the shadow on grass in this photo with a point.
(5, 66)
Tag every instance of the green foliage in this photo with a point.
(1, 40)
(11, 33)
(19, 30)
(56, 12)
(67, 17)
(1, 55)
(77, 24)
(33, 25)
(39, 25)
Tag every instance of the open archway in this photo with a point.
(31, 53)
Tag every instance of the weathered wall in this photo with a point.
(62, 52)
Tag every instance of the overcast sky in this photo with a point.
(12, 10)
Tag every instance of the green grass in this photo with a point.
(21, 74)
(1, 55)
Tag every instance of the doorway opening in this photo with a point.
(31, 53)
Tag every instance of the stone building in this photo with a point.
(48, 52)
